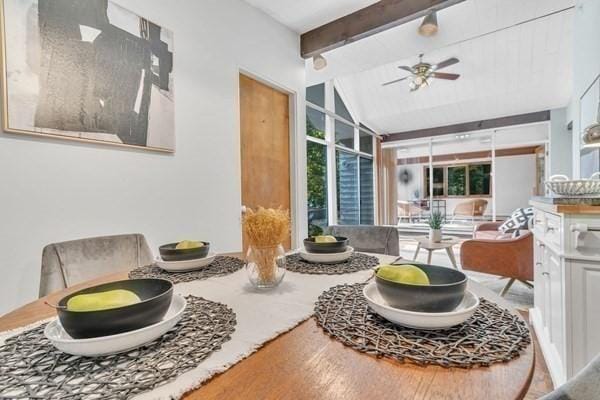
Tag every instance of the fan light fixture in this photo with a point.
(429, 26)
(319, 62)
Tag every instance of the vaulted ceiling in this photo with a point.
(515, 57)
(304, 15)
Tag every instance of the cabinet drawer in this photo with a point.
(539, 223)
(553, 231)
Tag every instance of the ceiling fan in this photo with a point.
(421, 73)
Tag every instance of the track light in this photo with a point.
(429, 26)
(319, 62)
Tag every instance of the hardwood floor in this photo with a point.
(541, 383)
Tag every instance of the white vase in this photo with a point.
(435, 235)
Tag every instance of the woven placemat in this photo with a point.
(31, 368)
(222, 265)
(491, 335)
(357, 262)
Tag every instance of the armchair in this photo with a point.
(492, 252)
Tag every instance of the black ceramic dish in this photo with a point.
(444, 294)
(155, 296)
(327, 247)
(168, 252)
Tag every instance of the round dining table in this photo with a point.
(305, 363)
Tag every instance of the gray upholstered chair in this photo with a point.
(68, 263)
(369, 238)
(583, 386)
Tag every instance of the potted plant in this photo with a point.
(435, 226)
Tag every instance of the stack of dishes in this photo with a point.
(326, 249)
(421, 296)
(184, 256)
(115, 317)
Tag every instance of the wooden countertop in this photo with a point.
(547, 204)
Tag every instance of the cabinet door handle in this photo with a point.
(546, 273)
(538, 264)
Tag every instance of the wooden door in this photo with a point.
(265, 147)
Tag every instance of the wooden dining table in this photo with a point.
(305, 363)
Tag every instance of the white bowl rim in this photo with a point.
(56, 321)
(420, 313)
(208, 257)
(349, 249)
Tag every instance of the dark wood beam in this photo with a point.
(378, 17)
(462, 157)
(486, 124)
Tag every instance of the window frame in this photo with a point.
(332, 148)
(467, 181)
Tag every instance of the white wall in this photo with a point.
(53, 190)
(561, 156)
(586, 67)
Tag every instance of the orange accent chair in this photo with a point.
(493, 252)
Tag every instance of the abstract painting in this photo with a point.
(89, 70)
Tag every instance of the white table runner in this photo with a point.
(261, 316)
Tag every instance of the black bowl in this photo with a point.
(155, 296)
(328, 247)
(168, 252)
(444, 294)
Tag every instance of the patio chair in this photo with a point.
(369, 238)
(470, 208)
(583, 386)
(408, 210)
(69, 263)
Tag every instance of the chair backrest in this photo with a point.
(68, 263)
(370, 238)
(583, 386)
(471, 208)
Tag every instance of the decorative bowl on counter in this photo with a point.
(444, 292)
(563, 186)
(169, 252)
(154, 300)
(339, 246)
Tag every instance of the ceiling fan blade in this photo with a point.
(446, 63)
(442, 75)
(394, 81)
(407, 68)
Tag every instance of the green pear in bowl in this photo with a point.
(102, 300)
(409, 274)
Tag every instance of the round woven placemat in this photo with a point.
(31, 368)
(222, 265)
(357, 262)
(491, 335)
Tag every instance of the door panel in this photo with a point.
(265, 147)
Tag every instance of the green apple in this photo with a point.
(102, 300)
(410, 274)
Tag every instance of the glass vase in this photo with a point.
(265, 266)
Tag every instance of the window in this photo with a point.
(457, 181)
(315, 123)
(367, 203)
(344, 134)
(316, 95)
(340, 107)
(334, 133)
(479, 179)
(460, 180)
(347, 188)
(316, 165)
(365, 142)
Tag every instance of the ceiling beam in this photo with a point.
(368, 21)
(485, 124)
(462, 157)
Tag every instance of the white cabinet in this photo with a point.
(566, 313)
